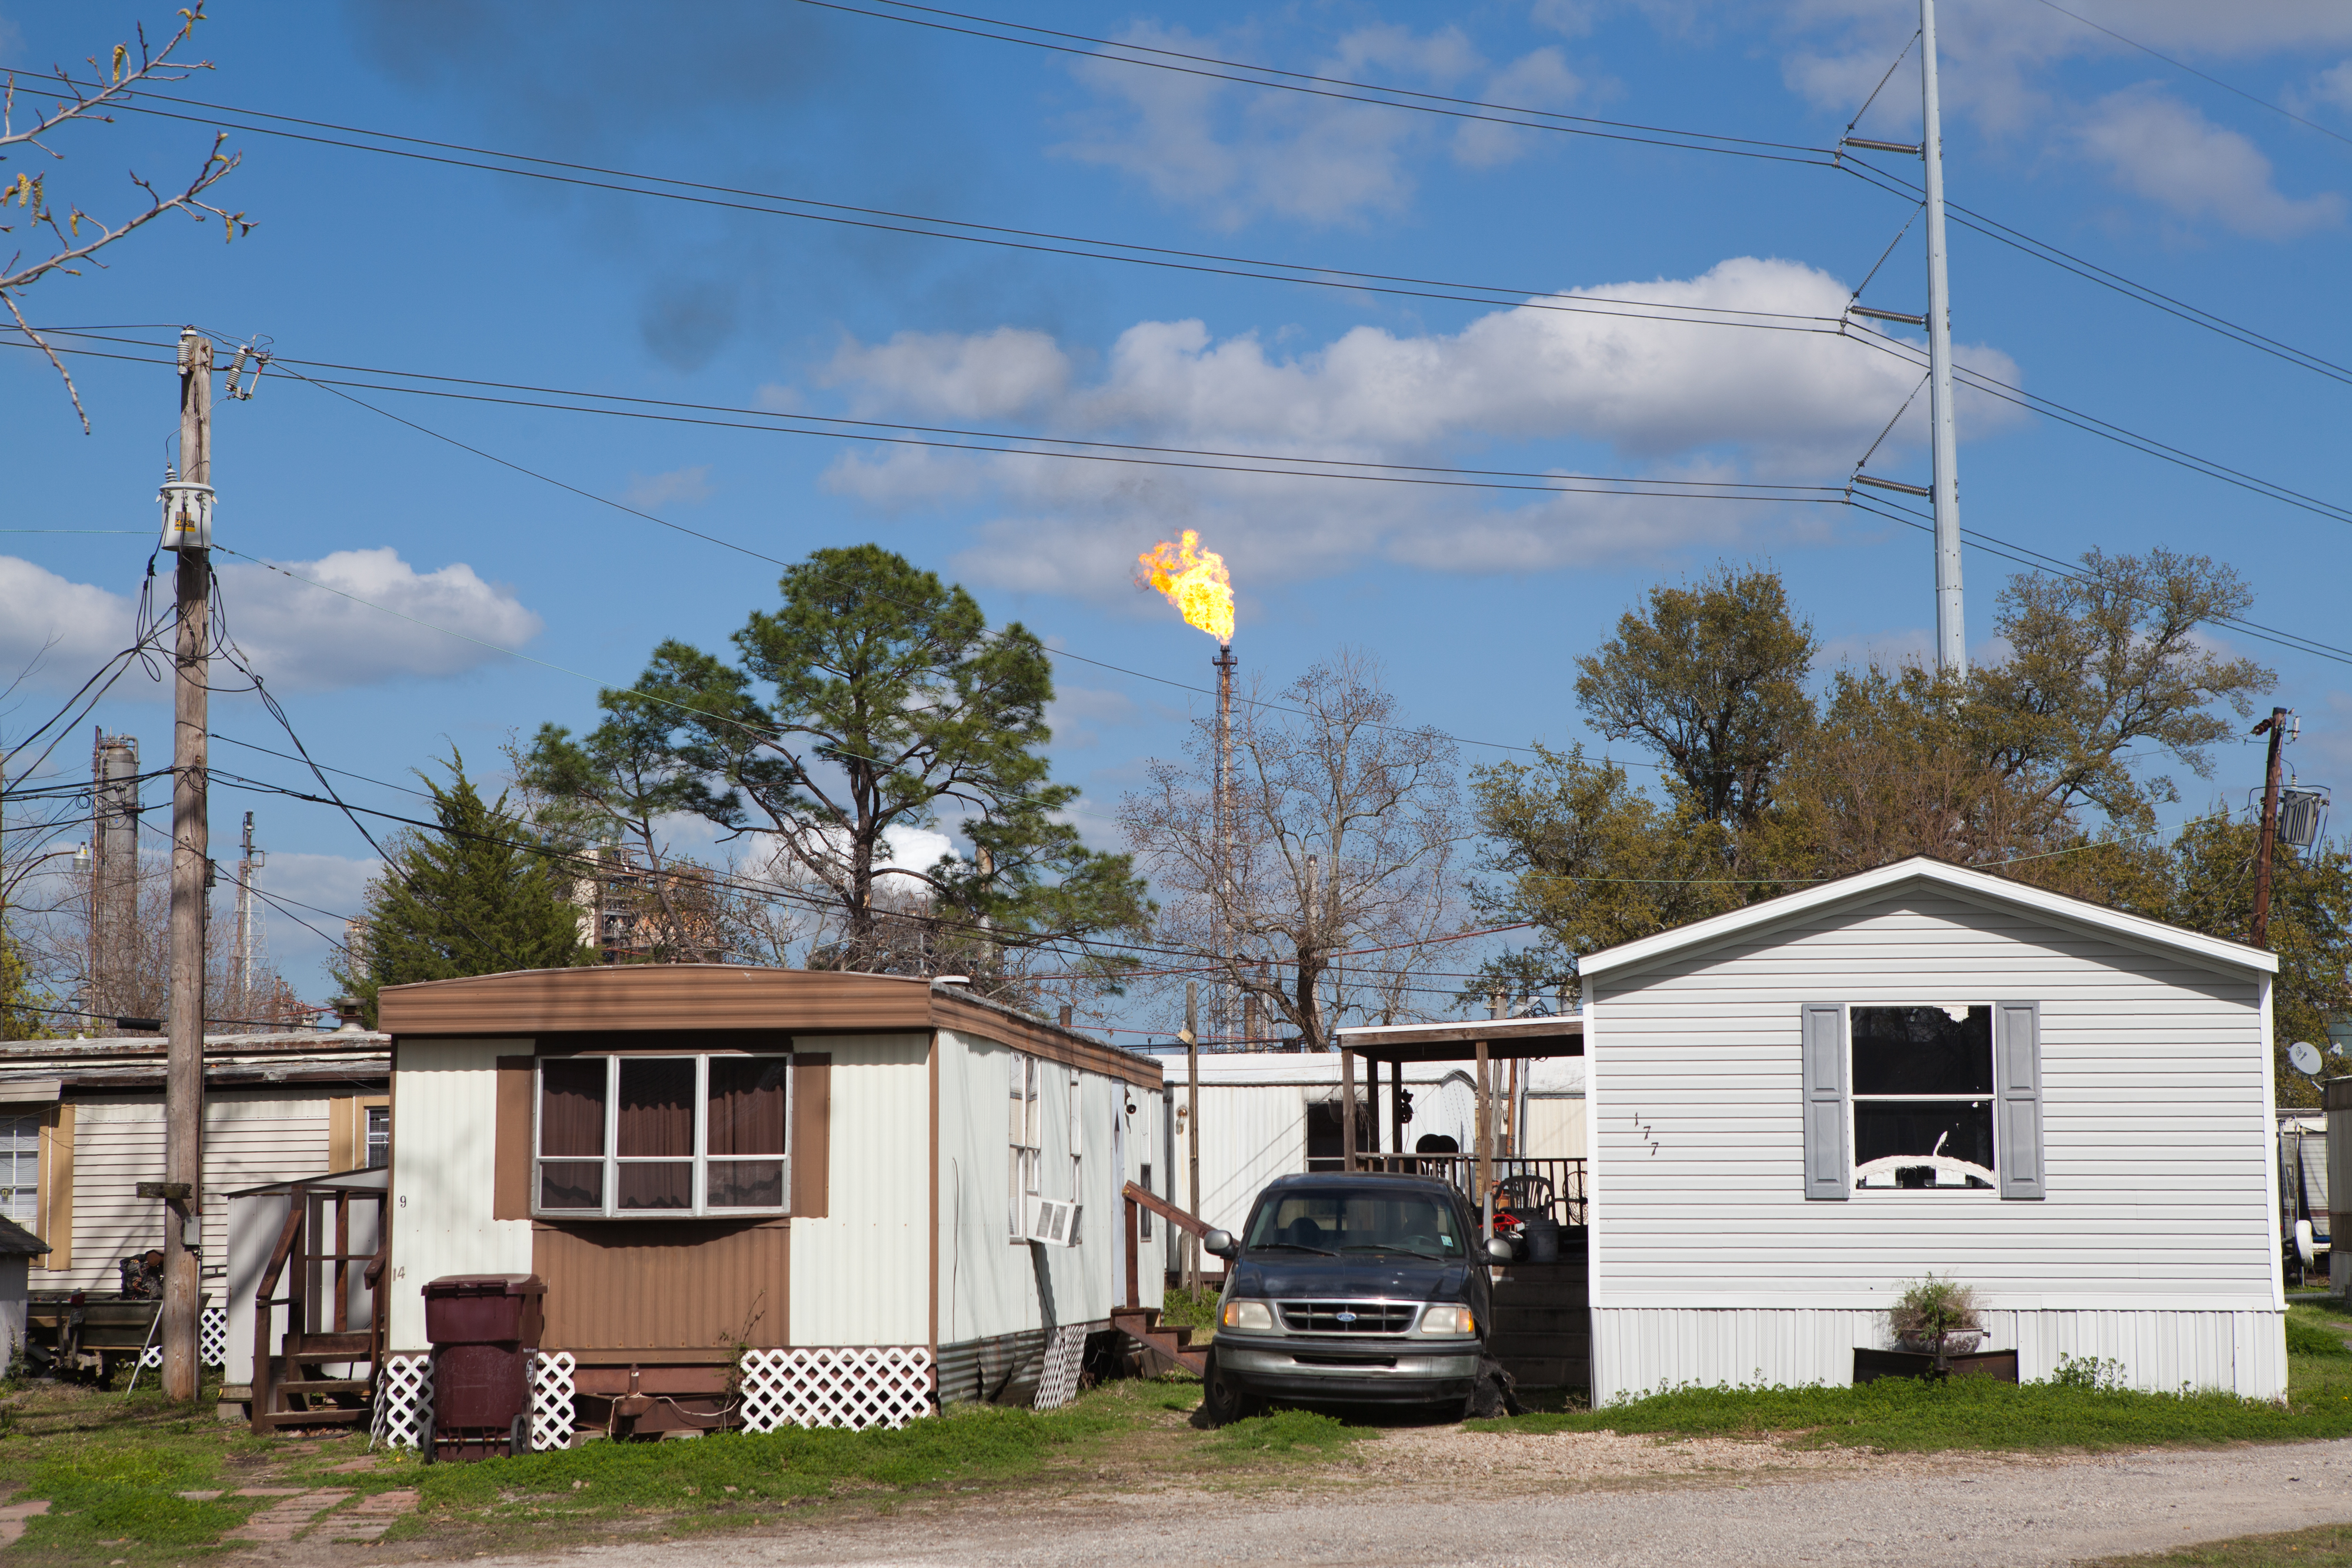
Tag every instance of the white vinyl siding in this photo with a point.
(860, 1271)
(445, 1096)
(2155, 1114)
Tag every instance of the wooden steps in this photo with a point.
(1174, 1341)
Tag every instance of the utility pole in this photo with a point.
(1951, 632)
(240, 974)
(1192, 1130)
(2275, 727)
(187, 528)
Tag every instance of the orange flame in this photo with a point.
(1194, 580)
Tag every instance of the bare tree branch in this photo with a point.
(80, 102)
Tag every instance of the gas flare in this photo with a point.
(1194, 580)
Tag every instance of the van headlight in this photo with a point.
(1247, 1316)
(1449, 1321)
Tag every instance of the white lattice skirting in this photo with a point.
(885, 1385)
(212, 1339)
(404, 1402)
(1064, 1354)
(551, 1400)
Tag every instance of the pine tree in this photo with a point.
(476, 897)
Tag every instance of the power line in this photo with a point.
(1316, 86)
(2201, 75)
(1041, 242)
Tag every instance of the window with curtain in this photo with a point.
(628, 1138)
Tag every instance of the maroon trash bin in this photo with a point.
(483, 1328)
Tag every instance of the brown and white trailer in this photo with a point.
(705, 1160)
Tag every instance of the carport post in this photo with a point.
(1347, 1109)
(1396, 1107)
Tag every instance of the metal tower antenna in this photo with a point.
(1951, 632)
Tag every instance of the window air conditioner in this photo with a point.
(1054, 1222)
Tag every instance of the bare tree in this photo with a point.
(1345, 829)
(76, 235)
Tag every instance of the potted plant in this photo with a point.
(1936, 1316)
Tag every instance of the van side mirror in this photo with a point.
(1497, 1249)
(1221, 1244)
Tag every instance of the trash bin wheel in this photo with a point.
(518, 1437)
(424, 1441)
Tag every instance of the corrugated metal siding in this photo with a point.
(990, 1285)
(862, 1274)
(1004, 1367)
(646, 1285)
(1640, 1349)
(443, 1169)
(2157, 1135)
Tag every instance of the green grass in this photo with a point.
(113, 1470)
(1915, 1415)
(1195, 1309)
(970, 1444)
(2310, 1331)
(1289, 1433)
(2322, 1546)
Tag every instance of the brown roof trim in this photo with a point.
(720, 996)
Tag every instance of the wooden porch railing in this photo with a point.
(314, 1336)
(1523, 1185)
(1138, 1197)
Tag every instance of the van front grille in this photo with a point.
(1349, 1317)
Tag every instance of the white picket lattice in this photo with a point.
(550, 1400)
(1064, 1353)
(151, 1356)
(212, 1336)
(885, 1385)
(404, 1402)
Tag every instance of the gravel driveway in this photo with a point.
(1454, 1497)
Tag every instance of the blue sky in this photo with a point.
(1478, 602)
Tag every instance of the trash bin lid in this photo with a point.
(487, 1285)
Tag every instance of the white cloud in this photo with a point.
(679, 486)
(2169, 153)
(982, 376)
(2333, 85)
(1239, 153)
(305, 638)
(1669, 400)
(299, 637)
(55, 632)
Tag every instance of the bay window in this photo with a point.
(657, 1136)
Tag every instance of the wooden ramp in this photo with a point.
(1542, 1331)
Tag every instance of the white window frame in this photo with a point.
(611, 1160)
(24, 1195)
(1024, 1137)
(1991, 1100)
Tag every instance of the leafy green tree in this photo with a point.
(1713, 679)
(2106, 665)
(478, 895)
(874, 700)
(2211, 890)
(1578, 849)
(18, 998)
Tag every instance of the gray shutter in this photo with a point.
(2017, 1079)
(1826, 1175)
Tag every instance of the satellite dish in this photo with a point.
(2305, 1056)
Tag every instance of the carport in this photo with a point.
(1543, 1323)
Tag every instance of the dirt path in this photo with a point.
(1590, 1499)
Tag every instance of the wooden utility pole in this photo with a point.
(2276, 726)
(1192, 1129)
(182, 1188)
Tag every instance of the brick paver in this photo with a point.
(280, 1521)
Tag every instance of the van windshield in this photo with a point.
(1333, 1221)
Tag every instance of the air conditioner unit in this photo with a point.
(1054, 1222)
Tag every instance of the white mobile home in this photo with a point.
(1797, 1107)
(702, 1160)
